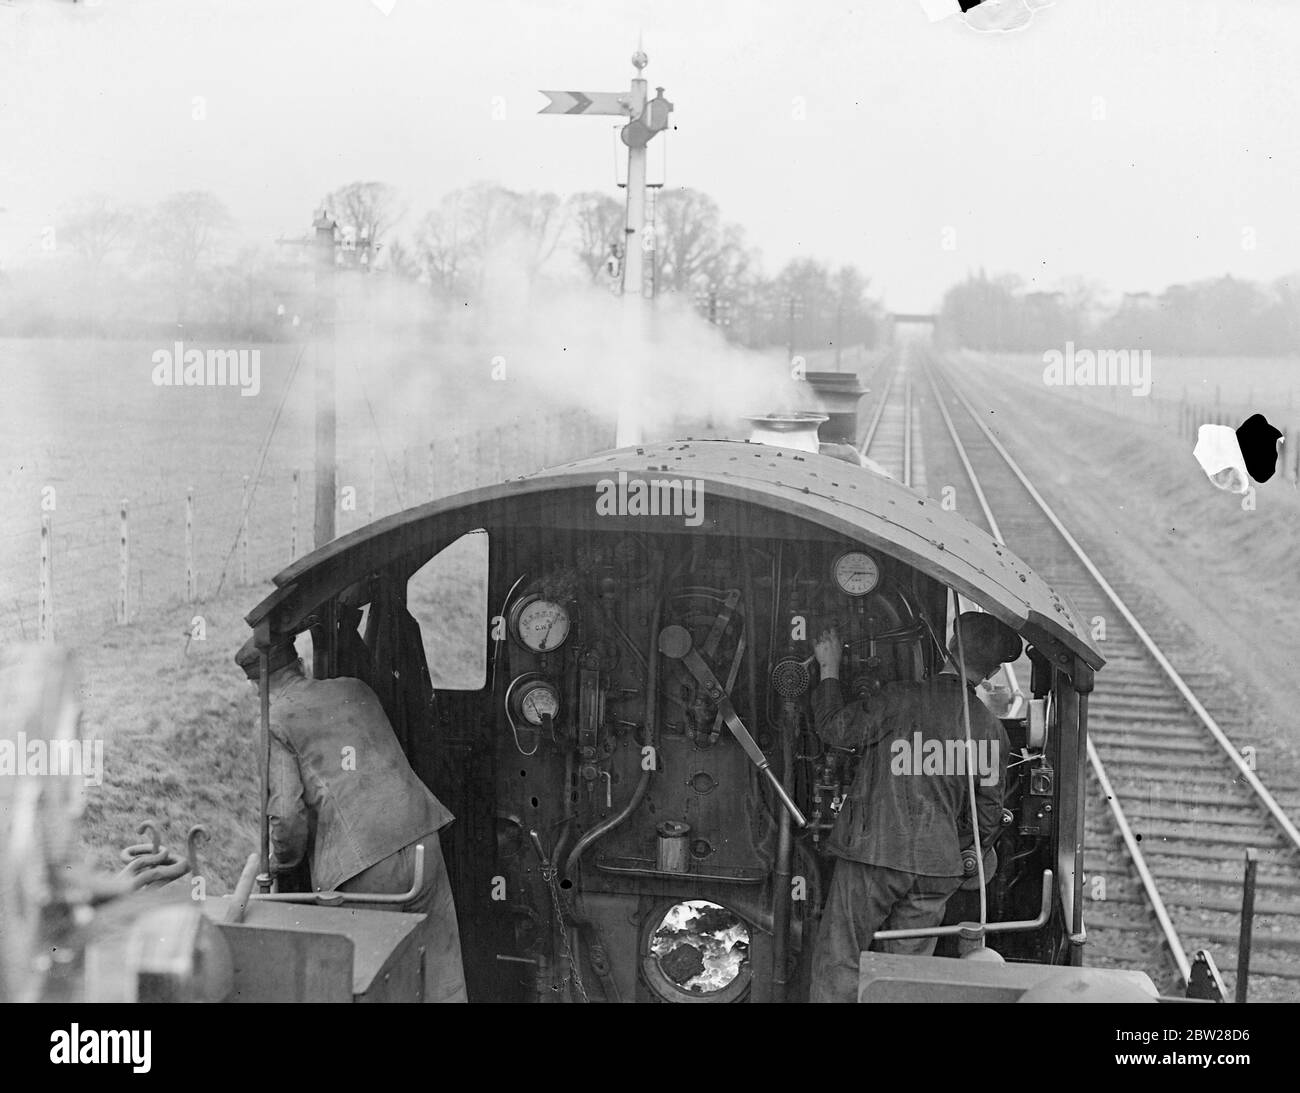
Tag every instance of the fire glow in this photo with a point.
(700, 946)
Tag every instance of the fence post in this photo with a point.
(189, 545)
(124, 577)
(455, 462)
(45, 596)
(428, 470)
(293, 521)
(243, 534)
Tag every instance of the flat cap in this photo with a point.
(282, 652)
(982, 632)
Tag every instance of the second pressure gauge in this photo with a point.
(856, 572)
(532, 699)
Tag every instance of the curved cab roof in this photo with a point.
(872, 509)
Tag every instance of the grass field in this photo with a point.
(1267, 385)
(177, 718)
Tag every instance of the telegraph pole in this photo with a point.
(325, 412)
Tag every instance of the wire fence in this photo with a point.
(1178, 411)
(1183, 417)
(70, 575)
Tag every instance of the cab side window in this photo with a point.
(448, 597)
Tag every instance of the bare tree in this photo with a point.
(598, 224)
(185, 234)
(96, 226)
(442, 244)
(401, 261)
(692, 245)
(458, 241)
(371, 208)
(541, 219)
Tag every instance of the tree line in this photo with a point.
(120, 271)
(1222, 316)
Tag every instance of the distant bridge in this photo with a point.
(911, 324)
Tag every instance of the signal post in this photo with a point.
(645, 119)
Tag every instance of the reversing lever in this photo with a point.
(675, 642)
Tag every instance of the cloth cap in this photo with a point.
(282, 652)
(984, 637)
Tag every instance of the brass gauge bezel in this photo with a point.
(835, 571)
(516, 621)
(519, 690)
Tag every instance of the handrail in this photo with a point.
(974, 929)
(332, 899)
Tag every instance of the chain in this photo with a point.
(549, 874)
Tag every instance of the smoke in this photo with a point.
(522, 351)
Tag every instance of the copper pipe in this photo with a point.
(652, 739)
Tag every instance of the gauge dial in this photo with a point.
(856, 572)
(541, 625)
(532, 699)
(539, 702)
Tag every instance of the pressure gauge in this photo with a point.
(540, 624)
(532, 699)
(856, 572)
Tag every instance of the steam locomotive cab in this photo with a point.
(614, 699)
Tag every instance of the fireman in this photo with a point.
(339, 779)
(897, 834)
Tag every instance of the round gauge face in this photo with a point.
(856, 572)
(538, 702)
(542, 625)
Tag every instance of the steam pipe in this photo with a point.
(652, 739)
(567, 830)
(781, 877)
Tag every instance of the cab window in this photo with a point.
(448, 597)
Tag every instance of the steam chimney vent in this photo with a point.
(796, 430)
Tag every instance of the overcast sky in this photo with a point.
(1138, 142)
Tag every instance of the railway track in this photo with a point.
(1173, 805)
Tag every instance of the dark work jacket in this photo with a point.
(363, 804)
(896, 815)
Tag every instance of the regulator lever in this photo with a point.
(675, 642)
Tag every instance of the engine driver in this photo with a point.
(896, 838)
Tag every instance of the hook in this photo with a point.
(192, 847)
(147, 825)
